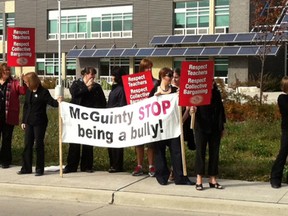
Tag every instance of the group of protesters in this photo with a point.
(209, 125)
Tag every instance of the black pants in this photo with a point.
(34, 134)
(278, 166)
(6, 131)
(201, 140)
(73, 158)
(162, 171)
(116, 158)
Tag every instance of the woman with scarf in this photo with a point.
(10, 90)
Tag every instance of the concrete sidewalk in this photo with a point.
(237, 198)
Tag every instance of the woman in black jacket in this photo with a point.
(116, 99)
(85, 92)
(35, 122)
(209, 127)
(162, 171)
(279, 163)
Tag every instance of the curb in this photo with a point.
(183, 203)
(56, 193)
(205, 205)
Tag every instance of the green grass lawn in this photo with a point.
(247, 152)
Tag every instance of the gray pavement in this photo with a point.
(237, 198)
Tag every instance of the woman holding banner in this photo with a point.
(209, 128)
(85, 92)
(162, 171)
(188, 132)
(116, 99)
(35, 122)
(10, 90)
(145, 66)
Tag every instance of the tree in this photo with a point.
(267, 16)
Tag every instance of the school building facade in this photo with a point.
(104, 34)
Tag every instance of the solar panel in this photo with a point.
(224, 38)
(160, 51)
(211, 51)
(281, 36)
(191, 39)
(145, 52)
(208, 38)
(250, 50)
(194, 51)
(229, 50)
(101, 52)
(177, 51)
(87, 53)
(263, 37)
(268, 50)
(244, 37)
(274, 50)
(158, 40)
(285, 18)
(74, 53)
(175, 39)
(115, 52)
(129, 52)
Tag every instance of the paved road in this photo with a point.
(11, 206)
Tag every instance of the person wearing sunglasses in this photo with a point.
(162, 171)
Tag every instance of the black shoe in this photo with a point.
(5, 166)
(216, 185)
(113, 170)
(66, 170)
(276, 186)
(199, 187)
(88, 170)
(39, 173)
(185, 181)
(275, 183)
(161, 181)
(22, 172)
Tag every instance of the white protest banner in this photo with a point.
(147, 121)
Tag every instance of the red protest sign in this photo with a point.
(196, 83)
(137, 86)
(21, 47)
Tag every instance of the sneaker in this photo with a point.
(152, 171)
(137, 171)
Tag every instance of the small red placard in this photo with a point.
(196, 83)
(21, 47)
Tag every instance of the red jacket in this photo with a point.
(12, 101)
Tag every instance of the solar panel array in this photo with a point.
(172, 51)
(251, 37)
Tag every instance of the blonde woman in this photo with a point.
(35, 122)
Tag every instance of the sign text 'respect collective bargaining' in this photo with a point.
(196, 83)
(21, 47)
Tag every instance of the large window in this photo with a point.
(193, 17)
(10, 22)
(111, 25)
(105, 22)
(222, 16)
(47, 64)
